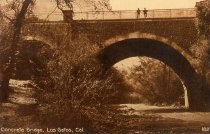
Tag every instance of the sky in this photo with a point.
(49, 5)
(151, 4)
(132, 4)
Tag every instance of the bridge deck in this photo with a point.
(109, 20)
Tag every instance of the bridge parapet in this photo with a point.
(121, 14)
(132, 14)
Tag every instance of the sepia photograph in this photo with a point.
(104, 66)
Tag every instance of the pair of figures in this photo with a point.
(144, 11)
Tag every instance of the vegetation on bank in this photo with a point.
(203, 13)
(156, 83)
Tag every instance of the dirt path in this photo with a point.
(171, 119)
(21, 112)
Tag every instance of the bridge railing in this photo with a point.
(121, 14)
(132, 14)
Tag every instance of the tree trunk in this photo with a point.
(7, 74)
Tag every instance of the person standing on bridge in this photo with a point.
(145, 12)
(138, 13)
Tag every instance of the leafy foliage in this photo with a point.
(203, 12)
(156, 83)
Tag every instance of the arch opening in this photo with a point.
(32, 58)
(158, 50)
(152, 82)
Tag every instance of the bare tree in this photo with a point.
(7, 74)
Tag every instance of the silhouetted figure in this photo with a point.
(138, 13)
(145, 12)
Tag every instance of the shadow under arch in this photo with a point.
(161, 51)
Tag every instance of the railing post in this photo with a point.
(187, 13)
(87, 14)
(103, 15)
(170, 13)
(120, 14)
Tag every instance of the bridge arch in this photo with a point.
(38, 39)
(32, 58)
(152, 48)
(139, 35)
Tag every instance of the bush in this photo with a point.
(78, 88)
(203, 13)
